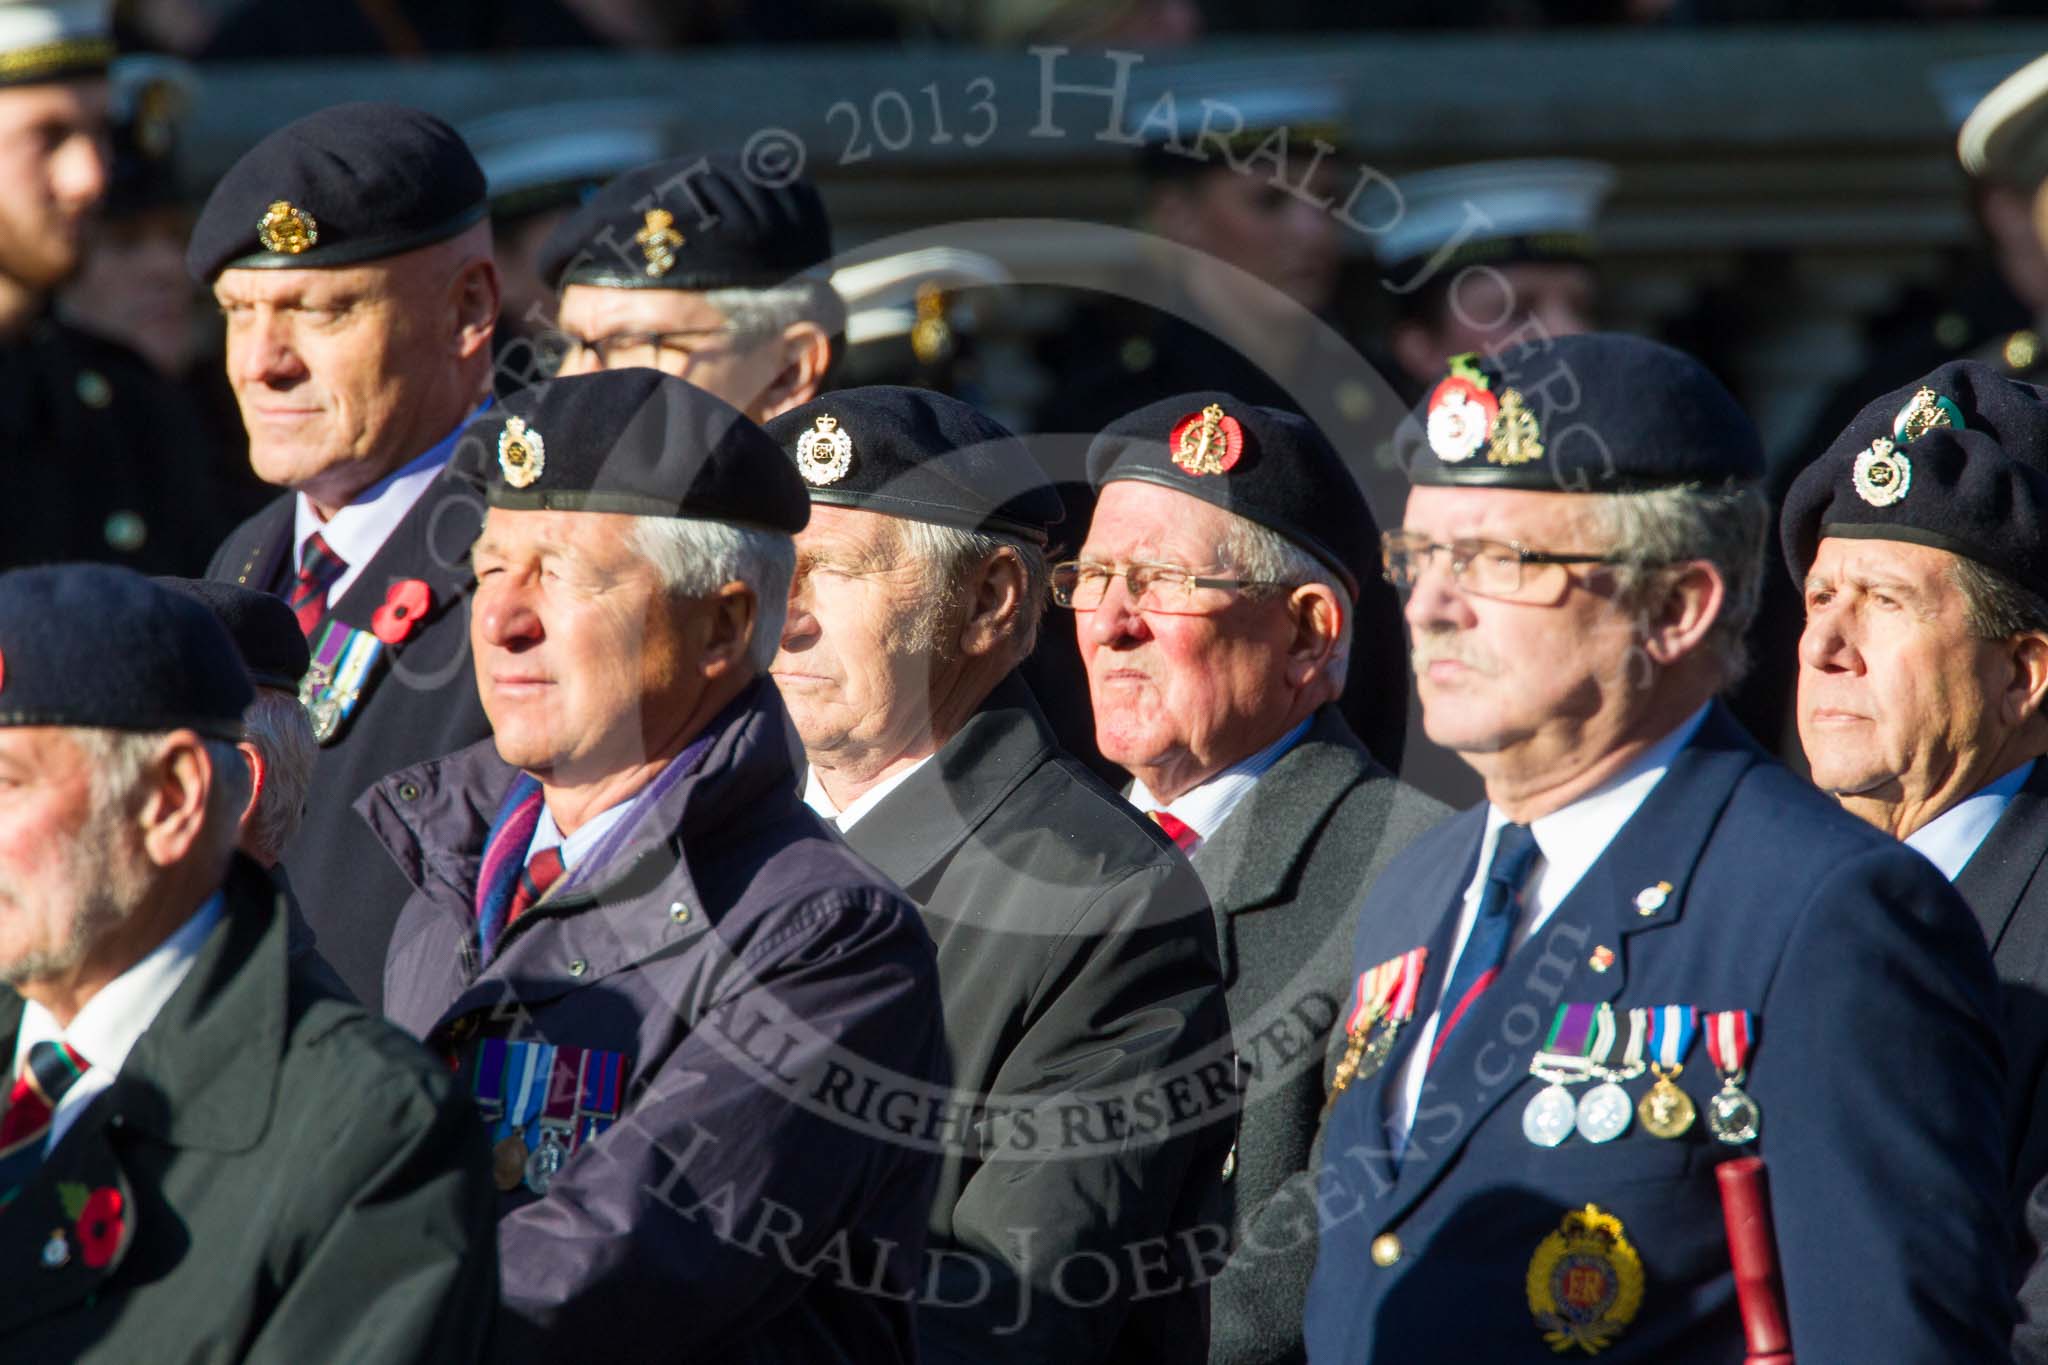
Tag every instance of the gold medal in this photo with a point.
(1666, 1111)
(508, 1162)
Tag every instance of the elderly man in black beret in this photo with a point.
(106, 459)
(350, 254)
(204, 1154)
(1215, 599)
(706, 1035)
(1919, 541)
(1076, 959)
(1526, 1129)
(708, 269)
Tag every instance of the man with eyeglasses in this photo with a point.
(1213, 598)
(1092, 1104)
(1651, 950)
(702, 268)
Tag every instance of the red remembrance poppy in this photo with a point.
(100, 1227)
(408, 601)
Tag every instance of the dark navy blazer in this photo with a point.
(1877, 1069)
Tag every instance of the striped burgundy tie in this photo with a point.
(318, 568)
(534, 880)
(1180, 831)
(47, 1072)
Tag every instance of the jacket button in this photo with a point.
(408, 791)
(578, 967)
(679, 912)
(1386, 1249)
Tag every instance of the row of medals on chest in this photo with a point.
(1604, 1112)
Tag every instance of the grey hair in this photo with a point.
(948, 554)
(1994, 606)
(696, 557)
(1259, 552)
(1664, 527)
(277, 724)
(118, 758)
(757, 315)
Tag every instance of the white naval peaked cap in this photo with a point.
(1496, 210)
(46, 40)
(531, 152)
(1959, 87)
(2006, 135)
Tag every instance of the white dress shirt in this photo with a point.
(843, 820)
(106, 1029)
(1204, 808)
(356, 532)
(547, 834)
(1951, 838)
(1568, 843)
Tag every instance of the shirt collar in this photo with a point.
(109, 1025)
(1571, 840)
(815, 798)
(1207, 805)
(356, 532)
(1951, 838)
(547, 834)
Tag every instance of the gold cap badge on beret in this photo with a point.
(522, 454)
(1585, 1282)
(658, 241)
(1925, 411)
(1206, 442)
(286, 229)
(824, 453)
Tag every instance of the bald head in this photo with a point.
(343, 375)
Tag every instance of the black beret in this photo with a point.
(1598, 413)
(1958, 461)
(97, 646)
(697, 222)
(349, 184)
(264, 630)
(1272, 467)
(921, 455)
(635, 441)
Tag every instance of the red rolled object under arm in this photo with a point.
(1746, 1208)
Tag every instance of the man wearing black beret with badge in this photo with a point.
(1652, 950)
(1077, 962)
(1918, 541)
(706, 1036)
(1217, 603)
(350, 254)
(205, 1154)
(705, 268)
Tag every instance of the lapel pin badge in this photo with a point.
(56, 1251)
(1602, 959)
(1651, 899)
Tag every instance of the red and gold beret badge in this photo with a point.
(1206, 442)
(1465, 417)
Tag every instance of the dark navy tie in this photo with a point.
(1487, 946)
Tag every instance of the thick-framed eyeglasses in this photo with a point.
(626, 350)
(1490, 568)
(1165, 588)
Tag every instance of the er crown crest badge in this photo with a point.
(522, 455)
(1206, 442)
(824, 453)
(286, 229)
(658, 241)
(1585, 1282)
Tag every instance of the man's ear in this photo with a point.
(174, 791)
(995, 604)
(1315, 615)
(259, 773)
(732, 617)
(1692, 603)
(804, 354)
(477, 294)
(2027, 692)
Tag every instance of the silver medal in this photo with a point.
(1550, 1116)
(1604, 1112)
(1732, 1116)
(545, 1161)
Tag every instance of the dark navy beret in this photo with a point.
(349, 184)
(1272, 467)
(264, 630)
(92, 645)
(697, 222)
(918, 454)
(1599, 413)
(1958, 461)
(635, 441)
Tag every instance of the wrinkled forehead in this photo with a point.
(593, 307)
(287, 287)
(591, 537)
(1146, 522)
(1536, 519)
(1873, 559)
